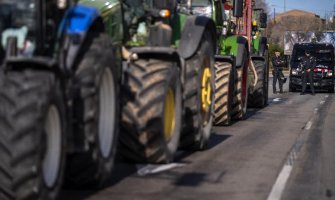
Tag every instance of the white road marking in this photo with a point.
(143, 170)
(308, 125)
(327, 96)
(276, 99)
(279, 186)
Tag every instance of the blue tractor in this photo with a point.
(59, 95)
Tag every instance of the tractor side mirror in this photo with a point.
(263, 18)
(238, 8)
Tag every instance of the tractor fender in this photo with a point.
(242, 44)
(158, 52)
(192, 33)
(230, 59)
(75, 26)
(262, 46)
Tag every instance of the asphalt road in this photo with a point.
(283, 151)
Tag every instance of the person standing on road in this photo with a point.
(308, 64)
(277, 68)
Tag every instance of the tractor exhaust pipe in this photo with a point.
(189, 4)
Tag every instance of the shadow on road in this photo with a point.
(191, 179)
(217, 139)
(122, 169)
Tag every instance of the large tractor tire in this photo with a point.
(151, 114)
(32, 137)
(224, 88)
(257, 97)
(96, 110)
(241, 90)
(6, 192)
(199, 97)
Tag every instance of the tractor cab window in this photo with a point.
(202, 7)
(17, 19)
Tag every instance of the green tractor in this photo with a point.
(168, 66)
(151, 119)
(251, 83)
(258, 95)
(231, 59)
(237, 84)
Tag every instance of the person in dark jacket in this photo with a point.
(308, 64)
(277, 66)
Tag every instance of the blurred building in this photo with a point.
(293, 20)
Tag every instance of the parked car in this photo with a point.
(324, 70)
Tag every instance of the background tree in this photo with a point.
(263, 4)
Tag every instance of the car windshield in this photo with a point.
(321, 55)
(17, 19)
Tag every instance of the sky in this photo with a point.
(319, 7)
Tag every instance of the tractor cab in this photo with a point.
(29, 27)
(17, 26)
(202, 8)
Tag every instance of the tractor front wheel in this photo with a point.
(199, 97)
(96, 110)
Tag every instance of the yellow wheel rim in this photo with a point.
(169, 115)
(206, 90)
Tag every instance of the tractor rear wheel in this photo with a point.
(32, 116)
(256, 97)
(151, 111)
(96, 110)
(198, 97)
(224, 88)
(241, 87)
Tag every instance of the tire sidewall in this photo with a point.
(207, 57)
(107, 162)
(174, 83)
(56, 99)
